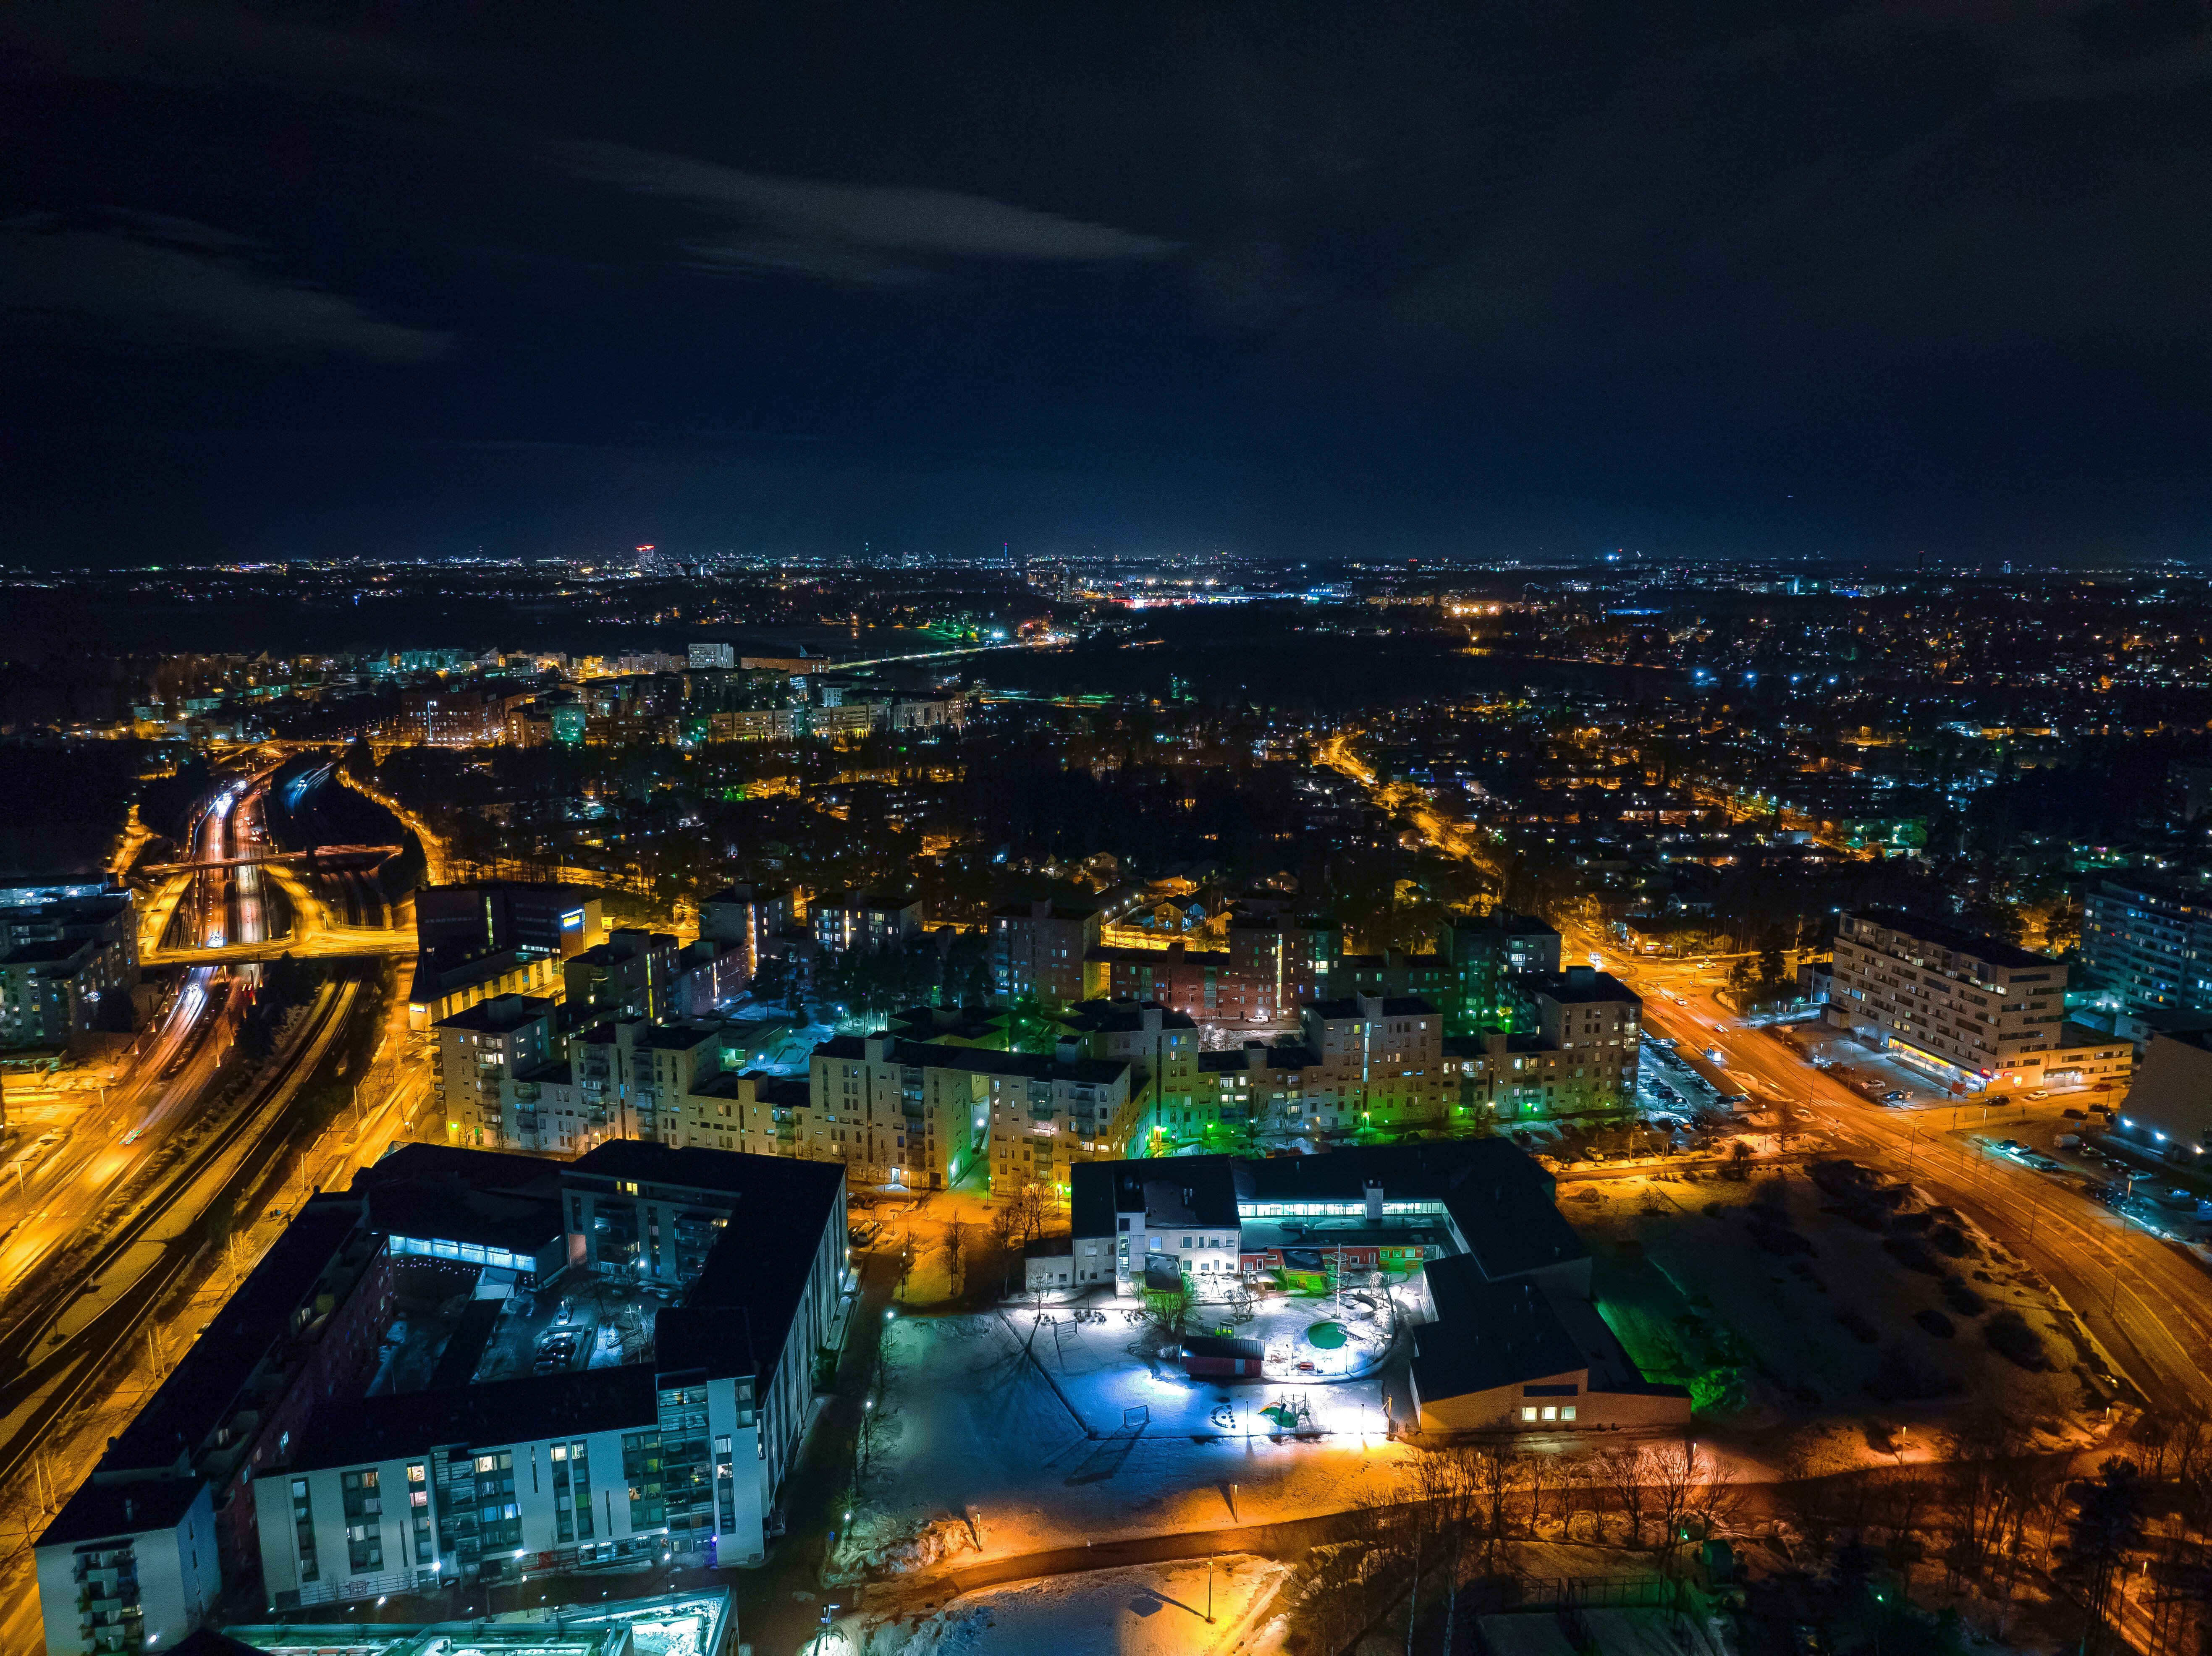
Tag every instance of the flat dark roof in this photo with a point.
(537, 1406)
(202, 1392)
(1955, 939)
(1487, 1334)
(101, 1512)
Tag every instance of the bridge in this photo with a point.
(313, 854)
(320, 943)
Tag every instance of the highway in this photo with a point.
(103, 1218)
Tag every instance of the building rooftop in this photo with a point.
(1121, 1017)
(45, 953)
(1581, 985)
(1077, 911)
(387, 1428)
(1390, 1006)
(1487, 1334)
(1954, 938)
(499, 1014)
(203, 1392)
(98, 1511)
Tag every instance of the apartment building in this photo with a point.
(2147, 944)
(864, 920)
(1268, 967)
(632, 973)
(447, 979)
(746, 918)
(1590, 1028)
(1380, 1061)
(478, 1050)
(1037, 951)
(457, 716)
(60, 958)
(1970, 1010)
(1159, 1045)
(1490, 957)
(921, 1113)
(490, 1471)
(129, 1567)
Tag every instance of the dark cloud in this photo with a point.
(865, 232)
(205, 44)
(181, 284)
(1305, 275)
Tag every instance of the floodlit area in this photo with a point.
(976, 1446)
(1193, 1609)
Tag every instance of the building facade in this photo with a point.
(478, 1050)
(1037, 951)
(1972, 1011)
(867, 921)
(2147, 945)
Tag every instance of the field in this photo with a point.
(1776, 1302)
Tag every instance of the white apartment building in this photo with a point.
(1970, 1010)
(129, 1567)
(478, 1050)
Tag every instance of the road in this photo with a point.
(2143, 1301)
(48, 1197)
(102, 1224)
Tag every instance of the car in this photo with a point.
(1894, 1096)
(2040, 1092)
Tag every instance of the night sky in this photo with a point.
(1280, 279)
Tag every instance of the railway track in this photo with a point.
(44, 1384)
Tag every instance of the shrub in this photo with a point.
(1934, 1322)
(2011, 1337)
(1912, 1254)
(1904, 1375)
(1962, 1299)
(1950, 1240)
(1771, 1233)
(1854, 1319)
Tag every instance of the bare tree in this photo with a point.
(1540, 1471)
(1494, 1475)
(1028, 1213)
(1580, 1492)
(1622, 1470)
(1673, 1470)
(956, 1251)
(1978, 1493)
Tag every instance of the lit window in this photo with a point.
(1528, 1414)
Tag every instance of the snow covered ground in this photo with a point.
(1157, 1610)
(976, 1442)
(1092, 1366)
